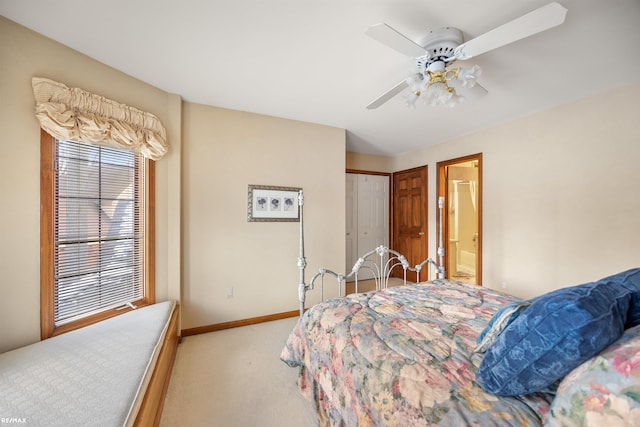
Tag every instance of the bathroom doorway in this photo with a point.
(460, 184)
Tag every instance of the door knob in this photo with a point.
(421, 233)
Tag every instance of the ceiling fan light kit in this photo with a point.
(438, 83)
(442, 86)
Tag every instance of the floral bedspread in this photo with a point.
(404, 356)
(604, 391)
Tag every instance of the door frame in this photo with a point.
(441, 188)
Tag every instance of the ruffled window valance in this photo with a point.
(74, 114)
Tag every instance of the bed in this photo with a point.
(403, 356)
(445, 353)
(112, 373)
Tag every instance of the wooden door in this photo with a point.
(410, 236)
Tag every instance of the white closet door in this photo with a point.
(380, 205)
(373, 212)
(351, 222)
(367, 217)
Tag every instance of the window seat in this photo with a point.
(112, 373)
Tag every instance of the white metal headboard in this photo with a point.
(381, 261)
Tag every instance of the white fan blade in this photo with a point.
(388, 95)
(395, 40)
(539, 20)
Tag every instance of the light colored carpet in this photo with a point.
(235, 378)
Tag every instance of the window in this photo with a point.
(96, 233)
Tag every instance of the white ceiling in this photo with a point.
(310, 60)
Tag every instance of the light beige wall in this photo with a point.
(23, 55)
(561, 192)
(369, 162)
(224, 152)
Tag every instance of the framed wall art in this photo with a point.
(268, 203)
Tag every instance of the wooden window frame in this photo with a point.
(47, 188)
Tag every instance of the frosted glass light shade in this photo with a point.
(438, 94)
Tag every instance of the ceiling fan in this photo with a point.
(434, 78)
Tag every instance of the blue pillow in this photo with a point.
(498, 323)
(559, 331)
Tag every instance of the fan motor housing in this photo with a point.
(440, 45)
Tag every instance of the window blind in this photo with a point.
(98, 229)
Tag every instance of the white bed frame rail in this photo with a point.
(379, 262)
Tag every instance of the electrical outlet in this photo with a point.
(505, 286)
(230, 292)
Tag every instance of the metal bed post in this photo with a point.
(441, 269)
(302, 261)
